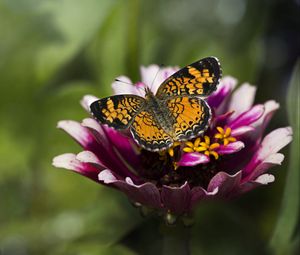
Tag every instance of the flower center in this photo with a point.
(164, 167)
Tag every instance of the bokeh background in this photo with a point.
(52, 52)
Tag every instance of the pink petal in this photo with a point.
(193, 159)
(241, 130)
(67, 161)
(113, 149)
(270, 108)
(224, 89)
(123, 86)
(227, 184)
(87, 100)
(77, 131)
(153, 75)
(107, 177)
(230, 148)
(97, 131)
(88, 157)
(267, 155)
(146, 194)
(124, 148)
(148, 74)
(176, 199)
(242, 99)
(259, 181)
(275, 141)
(91, 123)
(248, 117)
(265, 179)
(70, 161)
(220, 120)
(256, 168)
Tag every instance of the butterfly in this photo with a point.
(177, 112)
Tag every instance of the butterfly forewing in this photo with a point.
(200, 79)
(148, 133)
(117, 111)
(191, 115)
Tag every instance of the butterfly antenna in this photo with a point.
(123, 82)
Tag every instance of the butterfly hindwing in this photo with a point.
(148, 133)
(200, 79)
(117, 111)
(191, 114)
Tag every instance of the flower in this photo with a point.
(231, 158)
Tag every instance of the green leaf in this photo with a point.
(285, 227)
(75, 22)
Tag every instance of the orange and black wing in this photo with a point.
(147, 132)
(191, 115)
(198, 79)
(117, 111)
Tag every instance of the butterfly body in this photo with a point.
(160, 112)
(177, 112)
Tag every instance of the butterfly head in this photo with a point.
(148, 93)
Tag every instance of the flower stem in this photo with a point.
(176, 240)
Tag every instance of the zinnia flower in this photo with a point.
(231, 157)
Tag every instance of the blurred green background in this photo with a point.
(52, 52)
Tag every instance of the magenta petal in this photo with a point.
(200, 194)
(112, 139)
(111, 149)
(255, 168)
(193, 159)
(259, 181)
(77, 131)
(247, 117)
(242, 99)
(230, 148)
(241, 130)
(219, 120)
(267, 155)
(98, 132)
(227, 184)
(227, 84)
(176, 199)
(275, 141)
(70, 161)
(146, 193)
(270, 107)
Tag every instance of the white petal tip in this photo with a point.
(67, 161)
(87, 157)
(265, 179)
(87, 100)
(106, 176)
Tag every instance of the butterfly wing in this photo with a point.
(200, 79)
(147, 132)
(117, 111)
(191, 114)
